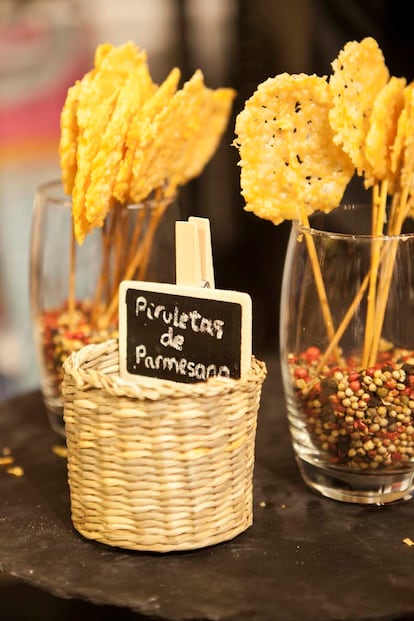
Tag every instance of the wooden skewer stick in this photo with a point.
(346, 319)
(103, 281)
(136, 234)
(120, 247)
(379, 209)
(320, 287)
(155, 220)
(375, 205)
(139, 260)
(400, 213)
(344, 324)
(102, 276)
(72, 280)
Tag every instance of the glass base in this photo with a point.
(358, 487)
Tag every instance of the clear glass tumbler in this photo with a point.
(74, 288)
(347, 356)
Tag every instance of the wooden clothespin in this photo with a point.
(193, 255)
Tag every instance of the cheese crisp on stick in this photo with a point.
(124, 138)
(290, 165)
(69, 137)
(98, 98)
(301, 139)
(141, 132)
(174, 139)
(383, 129)
(397, 151)
(151, 168)
(136, 90)
(213, 121)
(359, 74)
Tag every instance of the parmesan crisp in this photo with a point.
(382, 132)
(290, 165)
(359, 74)
(124, 138)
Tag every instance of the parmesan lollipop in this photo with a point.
(290, 165)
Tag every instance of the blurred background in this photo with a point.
(45, 45)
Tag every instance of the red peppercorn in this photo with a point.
(301, 373)
(358, 424)
(355, 386)
(312, 353)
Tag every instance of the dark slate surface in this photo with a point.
(305, 557)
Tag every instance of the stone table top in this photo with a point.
(305, 557)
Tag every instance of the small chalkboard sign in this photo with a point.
(183, 334)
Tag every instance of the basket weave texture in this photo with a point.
(158, 466)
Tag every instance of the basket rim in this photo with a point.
(79, 366)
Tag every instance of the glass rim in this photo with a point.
(315, 231)
(46, 190)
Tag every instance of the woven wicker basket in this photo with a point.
(158, 467)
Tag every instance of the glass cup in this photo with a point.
(347, 356)
(74, 288)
